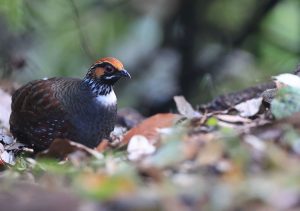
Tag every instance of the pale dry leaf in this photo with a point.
(223, 165)
(111, 164)
(5, 109)
(250, 107)
(169, 154)
(139, 147)
(6, 139)
(118, 131)
(88, 150)
(15, 146)
(232, 118)
(226, 124)
(184, 180)
(165, 131)
(185, 108)
(287, 79)
(8, 157)
(1, 148)
(255, 142)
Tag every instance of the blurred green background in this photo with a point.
(196, 48)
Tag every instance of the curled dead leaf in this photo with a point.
(62, 148)
(103, 145)
(232, 118)
(250, 107)
(6, 139)
(8, 157)
(148, 128)
(185, 108)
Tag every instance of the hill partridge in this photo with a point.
(82, 110)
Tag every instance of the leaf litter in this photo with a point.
(243, 155)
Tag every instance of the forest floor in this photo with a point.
(239, 152)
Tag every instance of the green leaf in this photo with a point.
(286, 102)
(212, 121)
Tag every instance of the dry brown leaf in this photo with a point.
(233, 173)
(210, 153)
(103, 145)
(148, 127)
(62, 148)
(151, 171)
(103, 185)
(190, 149)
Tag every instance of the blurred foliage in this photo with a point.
(169, 46)
(220, 170)
(286, 102)
(13, 10)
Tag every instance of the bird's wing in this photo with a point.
(37, 111)
(37, 98)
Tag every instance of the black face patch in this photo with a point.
(103, 71)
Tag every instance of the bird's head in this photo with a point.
(107, 70)
(104, 73)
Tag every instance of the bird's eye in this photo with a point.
(109, 69)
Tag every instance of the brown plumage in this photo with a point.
(83, 111)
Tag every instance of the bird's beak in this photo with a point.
(123, 73)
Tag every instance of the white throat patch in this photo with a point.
(107, 100)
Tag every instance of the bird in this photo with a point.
(81, 110)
